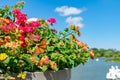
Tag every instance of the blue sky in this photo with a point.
(100, 19)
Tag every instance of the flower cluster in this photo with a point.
(33, 45)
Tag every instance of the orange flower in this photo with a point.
(33, 60)
(40, 63)
(77, 28)
(75, 39)
(41, 47)
(85, 45)
(72, 26)
(5, 20)
(85, 48)
(80, 44)
(53, 65)
(44, 60)
(92, 54)
(2, 41)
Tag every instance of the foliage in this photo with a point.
(106, 53)
(33, 45)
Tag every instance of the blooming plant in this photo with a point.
(33, 45)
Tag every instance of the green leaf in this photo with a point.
(87, 55)
(42, 21)
(6, 61)
(66, 29)
(63, 59)
(71, 62)
(15, 61)
(50, 48)
(44, 68)
(26, 58)
(54, 56)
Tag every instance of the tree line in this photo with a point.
(108, 53)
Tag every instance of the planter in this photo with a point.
(50, 75)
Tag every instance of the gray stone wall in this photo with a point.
(50, 75)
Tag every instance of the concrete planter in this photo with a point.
(50, 75)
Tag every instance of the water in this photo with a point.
(92, 70)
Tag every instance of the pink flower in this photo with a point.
(29, 29)
(35, 23)
(21, 30)
(21, 19)
(25, 29)
(37, 35)
(16, 11)
(51, 20)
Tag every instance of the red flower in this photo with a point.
(8, 27)
(51, 20)
(7, 38)
(24, 44)
(22, 37)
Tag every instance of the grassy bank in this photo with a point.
(113, 59)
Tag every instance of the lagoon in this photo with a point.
(92, 70)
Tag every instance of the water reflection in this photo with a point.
(93, 70)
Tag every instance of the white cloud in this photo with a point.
(75, 20)
(66, 11)
(32, 19)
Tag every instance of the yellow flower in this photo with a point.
(22, 75)
(3, 56)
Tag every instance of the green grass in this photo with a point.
(113, 60)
